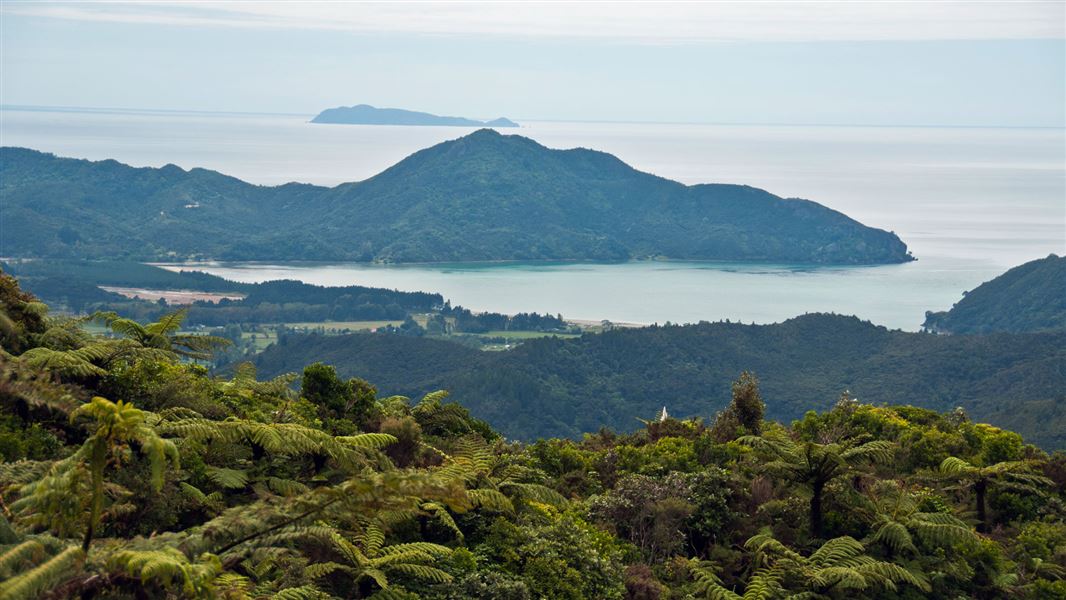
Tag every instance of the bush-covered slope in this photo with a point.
(127, 472)
(1029, 297)
(481, 197)
(556, 387)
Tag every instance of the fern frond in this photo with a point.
(30, 584)
(227, 478)
(286, 487)
(168, 324)
(67, 363)
(837, 550)
(29, 551)
(895, 536)
(956, 466)
(373, 539)
(316, 570)
(168, 567)
(369, 441)
(433, 550)
(534, 491)
(303, 592)
(490, 500)
(441, 513)
(422, 572)
(877, 451)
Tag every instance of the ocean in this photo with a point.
(969, 202)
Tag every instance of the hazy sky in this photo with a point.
(949, 63)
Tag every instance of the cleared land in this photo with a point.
(174, 297)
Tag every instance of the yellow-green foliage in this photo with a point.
(167, 481)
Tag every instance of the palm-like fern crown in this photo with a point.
(897, 519)
(64, 348)
(119, 423)
(164, 335)
(493, 482)
(367, 556)
(806, 461)
(840, 565)
(1017, 471)
(74, 485)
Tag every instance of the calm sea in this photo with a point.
(970, 203)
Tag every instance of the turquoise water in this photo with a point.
(969, 202)
(896, 296)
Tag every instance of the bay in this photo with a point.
(969, 202)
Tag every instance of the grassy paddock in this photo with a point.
(342, 325)
(527, 335)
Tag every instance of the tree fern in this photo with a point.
(1015, 474)
(227, 478)
(27, 552)
(303, 592)
(815, 465)
(58, 499)
(839, 564)
(169, 567)
(29, 584)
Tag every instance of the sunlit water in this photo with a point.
(969, 202)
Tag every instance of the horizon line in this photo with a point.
(175, 111)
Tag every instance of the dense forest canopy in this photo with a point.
(563, 387)
(481, 197)
(1029, 297)
(127, 472)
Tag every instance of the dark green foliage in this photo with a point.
(74, 286)
(240, 489)
(1029, 297)
(556, 387)
(321, 386)
(745, 413)
(481, 197)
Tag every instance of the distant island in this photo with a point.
(482, 197)
(1028, 298)
(364, 114)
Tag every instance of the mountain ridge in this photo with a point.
(481, 197)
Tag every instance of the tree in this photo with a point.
(745, 412)
(165, 334)
(367, 557)
(840, 565)
(118, 426)
(1015, 473)
(899, 519)
(748, 405)
(816, 465)
(323, 388)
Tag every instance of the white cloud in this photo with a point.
(663, 22)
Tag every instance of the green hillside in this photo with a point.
(557, 387)
(481, 197)
(1029, 297)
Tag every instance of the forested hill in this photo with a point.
(556, 387)
(1029, 297)
(481, 197)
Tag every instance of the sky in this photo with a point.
(828, 62)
